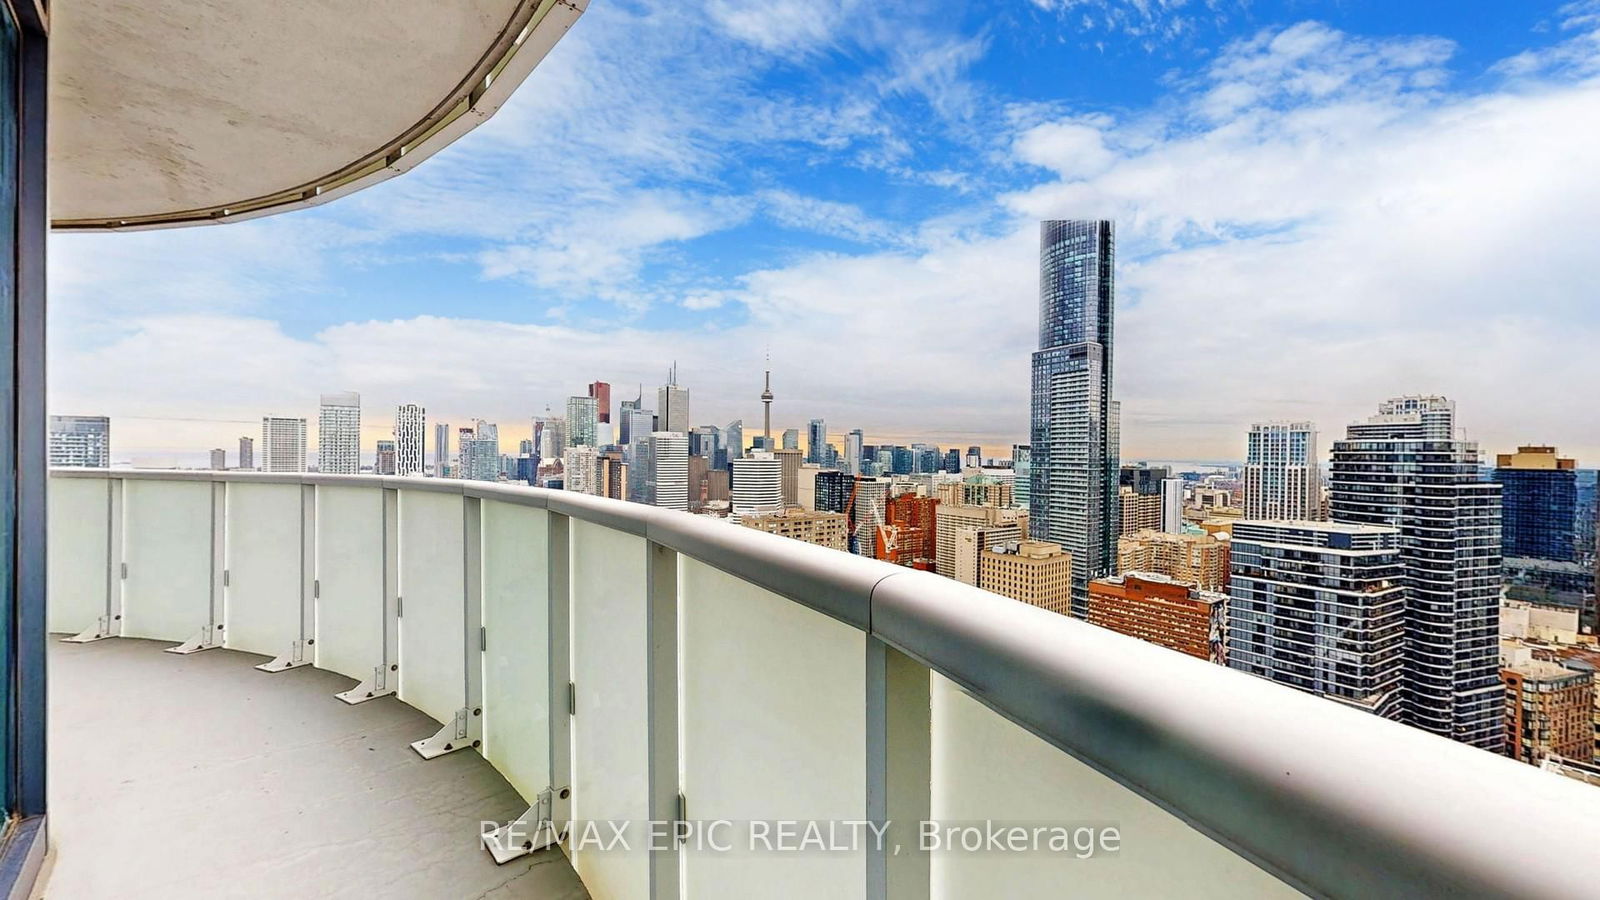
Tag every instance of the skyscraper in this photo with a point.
(219, 459)
(410, 439)
(831, 491)
(624, 411)
(613, 475)
(735, 432)
(757, 486)
(1021, 474)
(637, 425)
(868, 512)
(582, 421)
(791, 439)
(789, 463)
(549, 435)
(478, 452)
(283, 444)
(852, 451)
(1073, 496)
(580, 469)
(339, 434)
(386, 461)
(1282, 473)
(669, 470)
(1171, 505)
(247, 453)
(441, 450)
(80, 441)
(601, 392)
(1408, 468)
(1143, 478)
(1539, 496)
(672, 405)
(817, 442)
(1320, 606)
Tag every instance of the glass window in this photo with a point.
(8, 305)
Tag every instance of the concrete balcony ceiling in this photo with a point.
(167, 113)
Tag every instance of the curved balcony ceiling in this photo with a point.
(167, 113)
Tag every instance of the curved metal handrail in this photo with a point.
(1334, 801)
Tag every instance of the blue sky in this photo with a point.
(1320, 204)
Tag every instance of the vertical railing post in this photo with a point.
(473, 643)
(559, 640)
(661, 630)
(899, 772)
(118, 560)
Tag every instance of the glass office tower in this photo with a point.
(1073, 492)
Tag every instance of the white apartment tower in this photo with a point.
(1282, 476)
(410, 439)
(757, 486)
(80, 441)
(870, 510)
(339, 434)
(283, 444)
(1171, 505)
(669, 470)
(580, 470)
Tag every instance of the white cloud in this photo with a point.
(1313, 223)
(782, 26)
(844, 220)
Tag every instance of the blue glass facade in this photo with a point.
(1540, 514)
(1072, 494)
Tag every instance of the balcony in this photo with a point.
(557, 663)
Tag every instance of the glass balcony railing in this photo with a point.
(709, 711)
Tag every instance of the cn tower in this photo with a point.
(766, 406)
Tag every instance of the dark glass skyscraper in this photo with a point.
(1539, 496)
(1075, 455)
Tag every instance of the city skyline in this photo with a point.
(1263, 254)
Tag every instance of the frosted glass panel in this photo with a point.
(79, 552)
(610, 764)
(516, 659)
(432, 590)
(167, 536)
(774, 728)
(263, 553)
(987, 768)
(350, 573)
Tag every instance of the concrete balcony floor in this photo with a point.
(198, 776)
